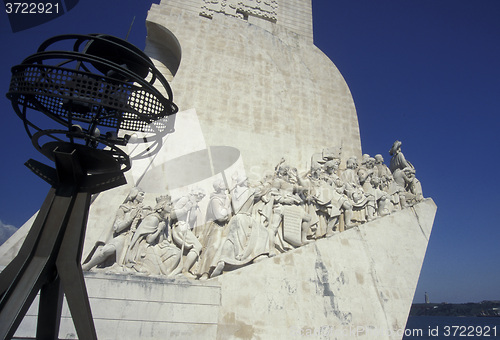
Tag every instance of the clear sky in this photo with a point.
(425, 72)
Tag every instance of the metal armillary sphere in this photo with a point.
(78, 105)
(102, 85)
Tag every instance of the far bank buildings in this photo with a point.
(252, 89)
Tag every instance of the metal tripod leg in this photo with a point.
(37, 271)
(49, 310)
(18, 264)
(70, 270)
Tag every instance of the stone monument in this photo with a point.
(258, 217)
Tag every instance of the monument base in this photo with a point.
(356, 284)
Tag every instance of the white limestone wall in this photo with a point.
(268, 93)
(193, 6)
(145, 308)
(296, 16)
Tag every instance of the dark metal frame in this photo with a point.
(107, 73)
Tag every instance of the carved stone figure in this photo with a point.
(381, 200)
(162, 259)
(413, 185)
(247, 239)
(149, 232)
(341, 207)
(318, 201)
(410, 188)
(384, 174)
(368, 165)
(350, 174)
(398, 160)
(327, 154)
(294, 222)
(285, 185)
(113, 244)
(185, 215)
(215, 229)
(363, 204)
(403, 173)
(342, 202)
(331, 167)
(370, 194)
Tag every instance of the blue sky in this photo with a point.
(425, 72)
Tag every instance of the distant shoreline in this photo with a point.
(471, 309)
